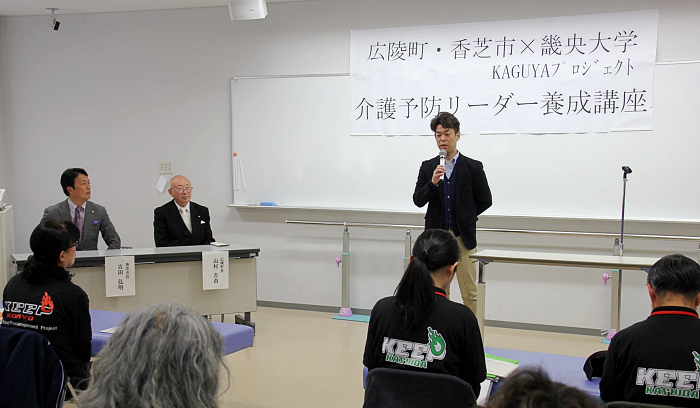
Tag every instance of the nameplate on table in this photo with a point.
(214, 270)
(120, 276)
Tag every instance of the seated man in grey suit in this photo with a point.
(90, 218)
(181, 222)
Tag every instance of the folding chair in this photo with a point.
(395, 388)
(628, 404)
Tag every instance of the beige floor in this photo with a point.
(306, 359)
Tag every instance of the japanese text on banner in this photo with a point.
(574, 74)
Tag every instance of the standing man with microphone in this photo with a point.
(456, 190)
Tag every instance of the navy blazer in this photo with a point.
(170, 230)
(32, 374)
(472, 196)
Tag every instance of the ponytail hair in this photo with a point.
(47, 241)
(414, 297)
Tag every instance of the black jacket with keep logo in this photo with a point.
(454, 322)
(56, 308)
(654, 361)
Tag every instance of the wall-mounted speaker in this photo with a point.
(247, 9)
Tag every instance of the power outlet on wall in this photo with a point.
(165, 167)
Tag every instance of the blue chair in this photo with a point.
(31, 375)
(395, 388)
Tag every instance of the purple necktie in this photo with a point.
(79, 221)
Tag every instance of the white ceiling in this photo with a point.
(38, 7)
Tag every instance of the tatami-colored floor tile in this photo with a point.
(543, 342)
(307, 359)
(300, 359)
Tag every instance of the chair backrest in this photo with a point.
(31, 375)
(628, 404)
(389, 387)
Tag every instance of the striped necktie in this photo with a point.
(79, 221)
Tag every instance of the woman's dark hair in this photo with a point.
(47, 242)
(415, 295)
(532, 388)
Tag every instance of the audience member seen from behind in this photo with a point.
(43, 299)
(657, 360)
(532, 388)
(443, 336)
(165, 355)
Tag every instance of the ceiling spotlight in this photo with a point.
(52, 20)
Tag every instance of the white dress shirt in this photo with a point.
(186, 215)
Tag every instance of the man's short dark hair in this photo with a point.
(68, 178)
(447, 120)
(532, 388)
(677, 274)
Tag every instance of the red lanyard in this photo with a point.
(440, 293)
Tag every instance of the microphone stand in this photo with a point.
(622, 223)
(617, 273)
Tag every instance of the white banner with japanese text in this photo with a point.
(577, 74)
(120, 276)
(214, 270)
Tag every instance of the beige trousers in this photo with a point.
(466, 276)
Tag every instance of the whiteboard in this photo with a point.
(292, 135)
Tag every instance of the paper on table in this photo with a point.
(110, 330)
(499, 368)
(484, 393)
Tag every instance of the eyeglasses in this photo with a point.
(182, 190)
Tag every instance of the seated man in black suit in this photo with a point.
(181, 222)
(657, 360)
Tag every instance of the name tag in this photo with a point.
(120, 276)
(214, 270)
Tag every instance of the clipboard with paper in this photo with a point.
(499, 367)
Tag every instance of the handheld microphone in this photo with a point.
(443, 154)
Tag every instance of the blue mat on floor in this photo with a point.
(353, 318)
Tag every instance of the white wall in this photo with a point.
(115, 93)
(4, 114)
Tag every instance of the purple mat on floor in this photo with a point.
(236, 336)
(563, 369)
